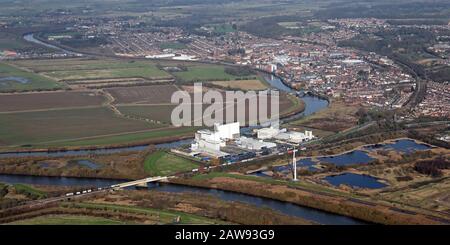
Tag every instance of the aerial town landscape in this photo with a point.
(87, 105)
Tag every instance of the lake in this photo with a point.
(402, 145)
(351, 158)
(85, 163)
(355, 180)
(6, 80)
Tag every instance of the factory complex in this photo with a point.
(225, 143)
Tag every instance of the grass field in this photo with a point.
(163, 112)
(67, 220)
(80, 64)
(290, 103)
(82, 68)
(161, 163)
(78, 119)
(10, 41)
(160, 113)
(153, 94)
(48, 100)
(163, 216)
(337, 117)
(125, 137)
(29, 191)
(32, 81)
(205, 73)
(253, 84)
(39, 127)
(144, 72)
(172, 45)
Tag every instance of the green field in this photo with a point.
(125, 138)
(162, 163)
(81, 64)
(205, 73)
(67, 220)
(33, 81)
(82, 68)
(164, 216)
(219, 28)
(161, 113)
(144, 72)
(172, 45)
(64, 125)
(29, 191)
(11, 41)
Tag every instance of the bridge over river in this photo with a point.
(141, 182)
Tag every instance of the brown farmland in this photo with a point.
(155, 94)
(50, 100)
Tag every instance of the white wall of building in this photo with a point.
(253, 144)
(211, 141)
(227, 131)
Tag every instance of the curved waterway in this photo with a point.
(30, 38)
(282, 207)
(312, 105)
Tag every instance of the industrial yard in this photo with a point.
(254, 112)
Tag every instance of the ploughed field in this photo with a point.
(120, 111)
(153, 94)
(49, 100)
(163, 112)
(63, 125)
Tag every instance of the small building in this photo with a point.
(254, 144)
(267, 133)
(295, 137)
(207, 141)
(227, 131)
(284, 135)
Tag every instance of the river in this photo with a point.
(282, 207)
(30, 38)
(312, 104)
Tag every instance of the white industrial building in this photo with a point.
(284, 135)
(268, 133)
(254, 144)
(210, 142)
(227, 131)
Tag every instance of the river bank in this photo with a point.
(311, 105)
(347, 206)
(285, 208)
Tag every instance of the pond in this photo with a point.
(355, 180)
(261, 174)
(85, 163)
(305, 162)
(350, 158)
(6, 80)
(45, 165)
(402, 145)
